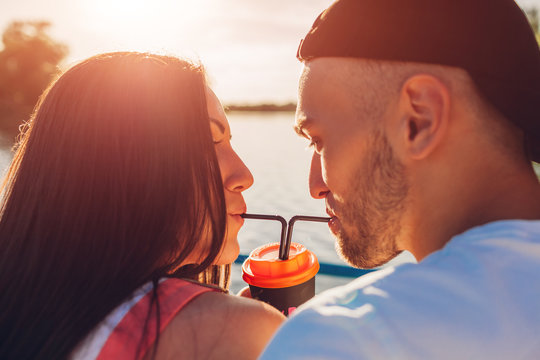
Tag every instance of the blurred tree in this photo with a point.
(28, 63)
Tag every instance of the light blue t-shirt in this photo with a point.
(477, 298)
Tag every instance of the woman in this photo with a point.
(124, 183)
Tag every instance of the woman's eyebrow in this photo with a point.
(218, 124)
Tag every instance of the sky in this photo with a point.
(247, 46)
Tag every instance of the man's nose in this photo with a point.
(317, 186)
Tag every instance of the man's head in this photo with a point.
(387, 128)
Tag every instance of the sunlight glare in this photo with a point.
(146, 24)
(126, 10)
(143, 11)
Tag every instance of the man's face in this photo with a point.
(353, 166)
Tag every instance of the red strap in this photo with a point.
(126, 337)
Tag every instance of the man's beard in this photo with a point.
(371, 214)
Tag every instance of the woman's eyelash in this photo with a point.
(222, 140)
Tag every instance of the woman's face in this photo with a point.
(236, 177)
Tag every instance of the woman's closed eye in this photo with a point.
(218, 131)
(222, 139)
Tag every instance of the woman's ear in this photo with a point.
(424, 108)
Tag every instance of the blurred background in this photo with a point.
(248, 48)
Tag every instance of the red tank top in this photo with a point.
(120, 335)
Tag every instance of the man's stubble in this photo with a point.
(371, 216)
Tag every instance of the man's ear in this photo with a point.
(424, 114)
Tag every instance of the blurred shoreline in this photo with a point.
(264, 107)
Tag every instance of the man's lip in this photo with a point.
(330, 213)
(334, 225)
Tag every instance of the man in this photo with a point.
(424, 117)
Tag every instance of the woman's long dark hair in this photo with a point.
(114, 183)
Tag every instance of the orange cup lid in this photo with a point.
(263, 268)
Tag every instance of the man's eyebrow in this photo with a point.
(218, 124)
(301, 125)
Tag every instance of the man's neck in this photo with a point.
(492, 193)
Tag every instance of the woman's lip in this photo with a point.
(237, 218)
(237, 210)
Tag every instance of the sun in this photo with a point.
(145, 25)
(156, 11)
(123, 19)
(122, 11)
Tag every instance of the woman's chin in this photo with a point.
(229, 253)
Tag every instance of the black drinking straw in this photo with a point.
(284, 247)
(270, 217)
(286, 232)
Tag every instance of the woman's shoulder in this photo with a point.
(235, 309)
(218, 325)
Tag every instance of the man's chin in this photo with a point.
(363, 257)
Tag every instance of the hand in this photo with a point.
(245, 292)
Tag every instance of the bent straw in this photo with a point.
(284, 247)
(286, 231)
(270, 217)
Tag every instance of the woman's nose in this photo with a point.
(238, 178)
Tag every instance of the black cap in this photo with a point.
(491, 39)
